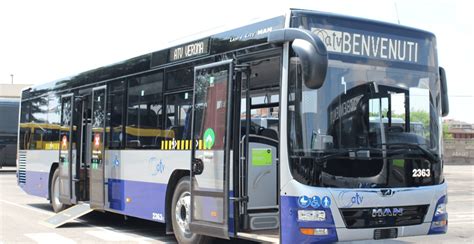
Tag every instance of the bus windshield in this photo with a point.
(363, 123)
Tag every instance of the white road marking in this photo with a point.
(460, 214)
(460, 222)
(109, 235)
(49, 238)
(28, 207)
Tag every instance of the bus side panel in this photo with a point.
(139, 199)
(137, 180)
(38, 164)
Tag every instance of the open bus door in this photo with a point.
(66, 156)
(96, 173)
(211, 134)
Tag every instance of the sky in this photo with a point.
(41, 41)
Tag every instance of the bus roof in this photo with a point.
(251, 34)
(363, 20)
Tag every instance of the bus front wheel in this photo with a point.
(180, 214)
(54, 189)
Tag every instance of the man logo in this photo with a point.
(384, 212)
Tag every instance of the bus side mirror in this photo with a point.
(314, 65)
(444, 92)
(310, 50)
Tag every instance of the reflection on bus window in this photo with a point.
(178, 115)
(144, 110)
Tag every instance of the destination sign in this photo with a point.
(189, 50)
(371, 45)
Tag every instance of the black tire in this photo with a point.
(180, 229)
(54, 190)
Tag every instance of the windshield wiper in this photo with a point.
(431, 156)
(351, 153)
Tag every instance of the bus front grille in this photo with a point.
(21, 167)
(375, 217)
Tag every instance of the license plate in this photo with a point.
(385, 233)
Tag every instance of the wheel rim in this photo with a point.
(56, 201)
(182, 212)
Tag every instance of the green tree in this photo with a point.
(446, 134)
(420, 116)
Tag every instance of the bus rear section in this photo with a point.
(364, 150)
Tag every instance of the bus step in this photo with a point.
(67, 215)
(264, 221)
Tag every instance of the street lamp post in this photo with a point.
(12, 78)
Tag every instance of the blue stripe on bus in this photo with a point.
(146, 200)
(134, 198)
(291, 227)
(138, 199)
(231, 215)
(439, 229)
(36, 183)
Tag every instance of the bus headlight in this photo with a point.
(311, 215)
(440, 209)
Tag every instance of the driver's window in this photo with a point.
(420, 111)
(378, 113)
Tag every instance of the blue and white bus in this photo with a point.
(176, 136)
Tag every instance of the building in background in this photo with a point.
(11, 90)
(9, 107)
(459, 144)
(460, 129)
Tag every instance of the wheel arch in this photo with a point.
(173, 181)
(53, 168)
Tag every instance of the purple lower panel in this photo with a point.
(36, 183)
(138, 199)
(231, 214)
(290, 227)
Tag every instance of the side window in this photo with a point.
(180, 78)
(51, 140)
(25, 125)
(263, 90)
(144, 111)
(115, 115)
(178, 115)
(39, 119)
(264, 114)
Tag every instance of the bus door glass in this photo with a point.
(97, 162)
(65, 155)
(259, 145)
(211, 135)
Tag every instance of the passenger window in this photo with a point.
(180, 78)
(39, 119)
(264, 113)
(115, 114)
(178, 115)
(25, 125)
(51, 140)
(144, 109)
(264, 122)
(263, 88)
